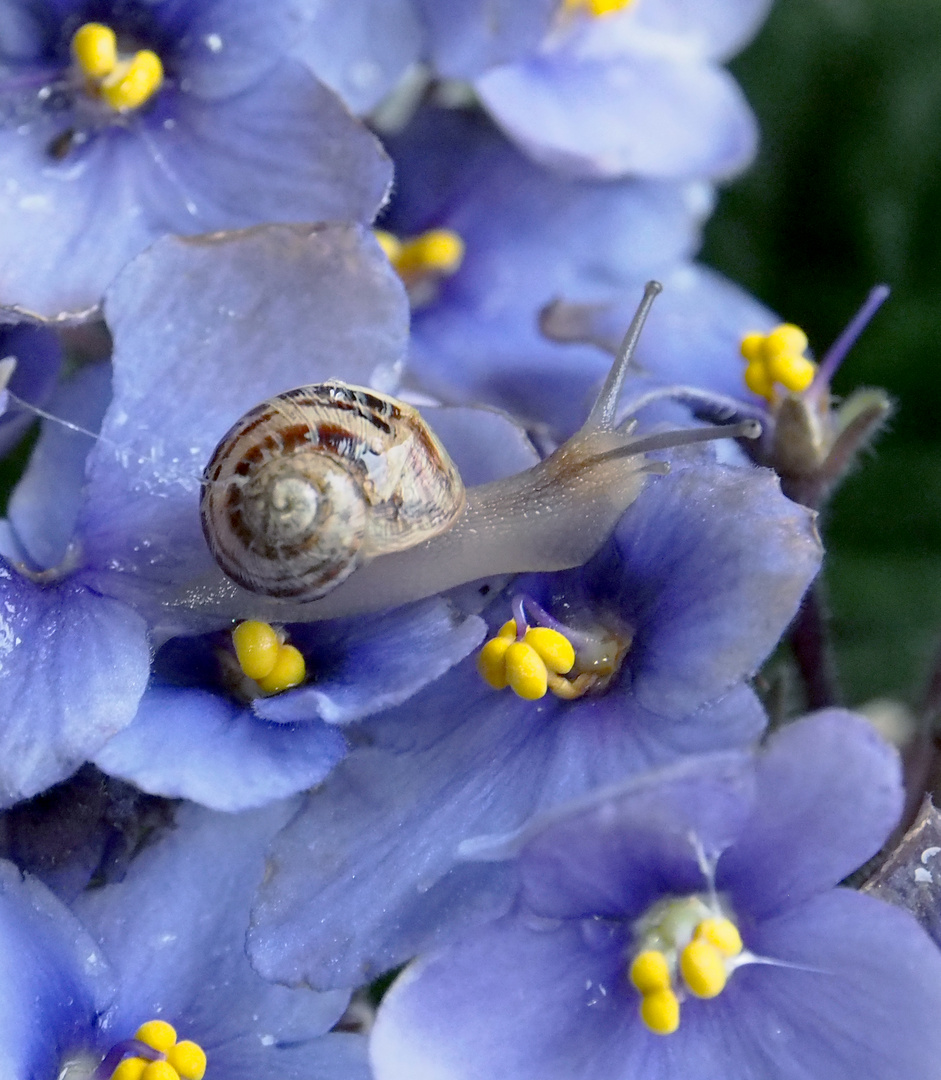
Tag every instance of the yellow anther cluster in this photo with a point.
(722, 933)
(437, 252)
(597, 8)
(122, 83)
(95, 48)
(659, 1006)
(703, 968)
(263, 656)
(526, 666)
(182, 1060)
(158, 1034)
(777, 359)
(702, 964)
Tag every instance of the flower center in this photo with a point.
(533, 660)
(122, 81)
(265, 658)
(777, 359)
(153, 1054)
(423, 261)
(183, 1060)
(684, 945)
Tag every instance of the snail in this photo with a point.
(334, 500)
(309, 485)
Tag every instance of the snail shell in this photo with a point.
(316, 481)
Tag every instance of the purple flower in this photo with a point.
(361, 49)
(705, 570)
(637, 91)
(527, 237)
(115, 538)
(714, 347)
(466, 37)
(198, 735)
(696, 883)
(98, 531)
(203, 735)
(230, 132)
(165, 943)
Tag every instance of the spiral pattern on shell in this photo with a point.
(312, 483)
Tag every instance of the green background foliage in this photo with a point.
(845, 193)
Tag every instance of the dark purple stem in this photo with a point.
(921, 759)
(810, 641)
(522, 604)
(519, 614)
(121, 1050)
(838, 350)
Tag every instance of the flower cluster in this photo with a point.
(384, 587)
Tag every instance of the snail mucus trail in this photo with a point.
(553, 516)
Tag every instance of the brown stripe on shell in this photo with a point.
(395, 462)
(234, 436)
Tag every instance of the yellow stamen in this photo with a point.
(722, 933)
(95, 49)
(597, 8)
(434, 254)
(650, 971)
(264, 657)
(792, 371)
(550, 659)
(189, 1060)
(685, 945)
(777, 359)
(703, 968)
(554, 649)
(786, 338)
(389, 243)
(529, 666)
(256, 646)
(438, 250)
(491, 662)
(129, 87)
(122, 82)
(159, 1070)
(289, 670)
(759, 381)
(660, 1012)
(572, 689)
(131, 1068)
(752, 347)
(183, 1060)
(525, 671)
(157, 1034)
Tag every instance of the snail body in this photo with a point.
(432, 535)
